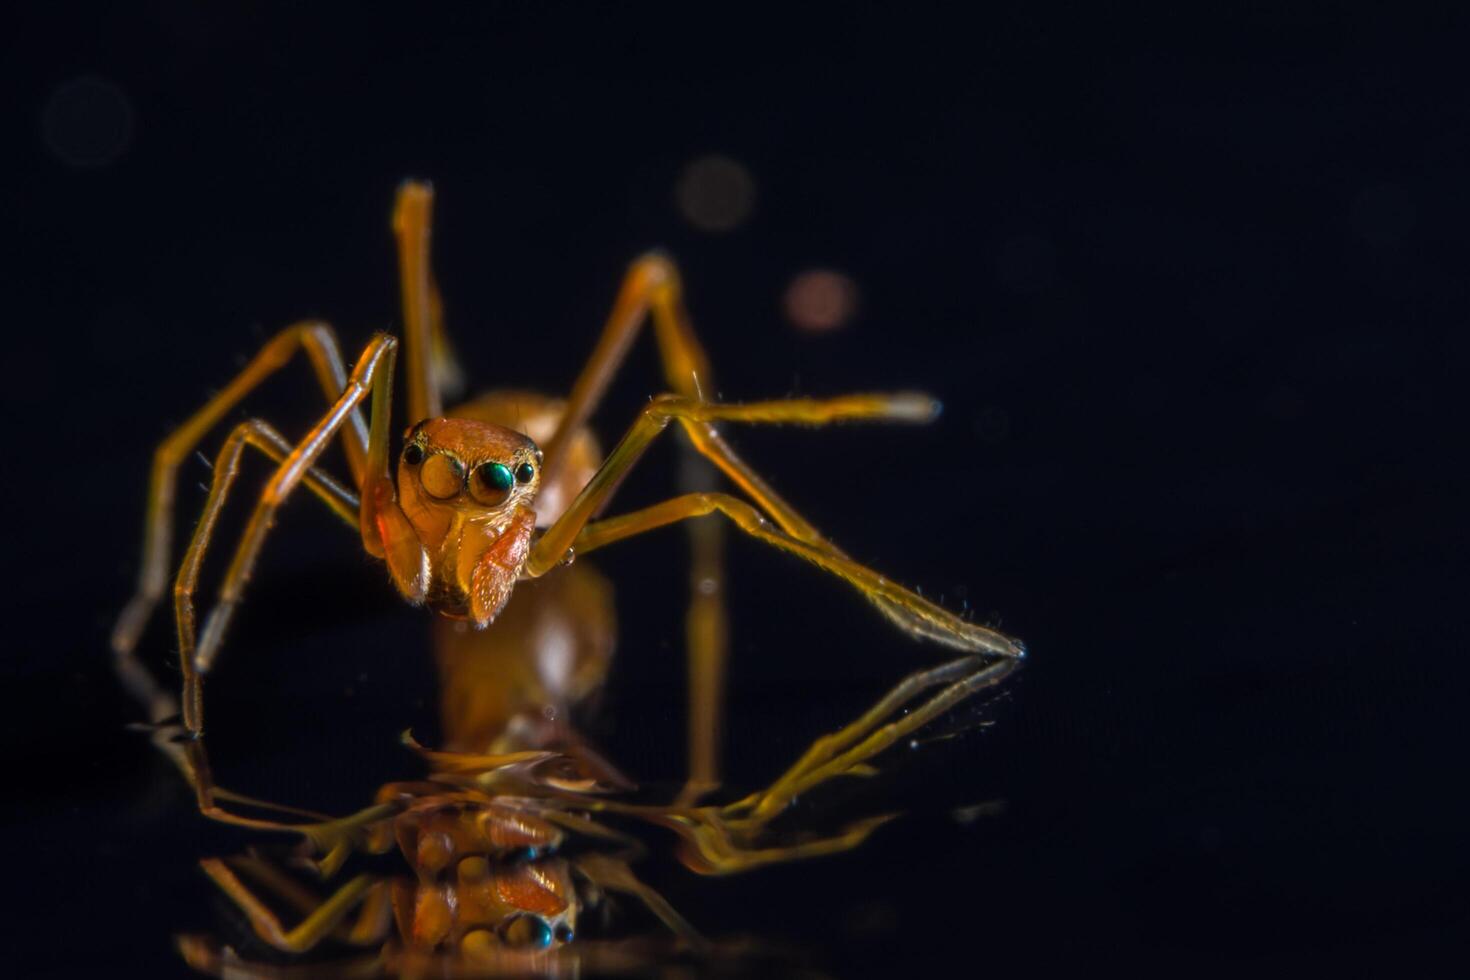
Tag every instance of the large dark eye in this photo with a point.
(442, 476)
(413, 454)
(525, 472)
(526, 931)
(491, 483)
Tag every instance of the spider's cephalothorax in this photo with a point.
(467, 489)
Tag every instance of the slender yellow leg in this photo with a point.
(428, 359)
(915, 614)
(335, 836)
(730, 839)
(920, 616)
(192, 761)
(373, 919)
(226, 468)
(707, 632)
(652, 290)
(651, 286)
(708, 848)
(320, 346)
(206, 955)
(312, 930)
(372, 371)
(613, 874)
(851, 747)
(655, 417)
(256, 433)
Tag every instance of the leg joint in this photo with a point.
(654, 269)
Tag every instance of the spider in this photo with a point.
(501, 490)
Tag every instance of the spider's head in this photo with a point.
(479, 471)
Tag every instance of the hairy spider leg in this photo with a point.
(849, 749)
(720, 840)
(259, 434)
(613, 874)
(573, 533)
(320, 345)
(372, 374)
(651, 290)
(432, 370)
(324, 917)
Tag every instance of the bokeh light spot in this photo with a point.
(87, 122)
(715, 193)
(820, 300)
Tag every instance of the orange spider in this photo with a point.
(501, 490)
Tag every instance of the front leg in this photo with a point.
(911, 612)
(387, 534)
(373, 373)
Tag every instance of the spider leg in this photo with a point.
(320, 345)
(848, 750)
(429, 360)
(730, 839)
(652, 290)
(372, 373)
(136, 677)
(260, 435)
(370, 926)
(333, 837)
(651, 287)
(613, 874)
(707, 846)
(320, 923)
(911, 612)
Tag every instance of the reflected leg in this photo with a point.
(613, 874)
(849, 749)
(314, 928)
(727, 840)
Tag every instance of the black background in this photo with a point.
(1190, 286)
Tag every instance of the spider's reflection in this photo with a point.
(514, 841)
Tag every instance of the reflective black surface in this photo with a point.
(1191, 289)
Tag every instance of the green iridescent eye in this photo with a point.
(492, 483)
(526, 931)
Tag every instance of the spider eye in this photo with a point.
(525, 472)
(527, 931)
(413, 454)
(442, 476)
(492, 483)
